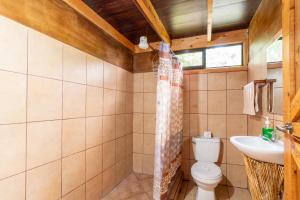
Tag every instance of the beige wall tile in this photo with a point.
(236, 125)
(44, 55)
(13, 188)
(149, 102)
(13, 35)
(138, 81)
(278, 101)
(110, 76)
(186, 102)
(94, 71)
(129, 82)
(149, 144)
(276, 74)
(216, 81)
(109, 128)
(12, 149)
(138, 102)
(138, 143)
(12, 97)
(44, 182)
(44, 99)
(148, 164)
(120, 102)
(223, 151)
(138, 163)
(120, 148)
(198, 102)
(129, 144)
(186, 148)
(121, 79)
(93, 131)
(149, 123)
(255, 125)
(198, 82)
(72, 92)
(186, 125)
(216, 102)
(74, 65)
(129, 124)
(235, 101)
(109, 102)
(234, 156)
(217, 125)
(77, 194)
(236, 175)
(138, 123)
(198, 124)
(192, 155)
(129, 102)
(73, 136)
(94, 188)
(109, 154)
(93, 162)
(224, 172)
(109, 180)
(120, 125)
(236, 80)
(43, 142)
(73, 172)
(121, 173)
(150, 82)
(186, 82)
(94, 101)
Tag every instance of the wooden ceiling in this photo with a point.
(182, 18)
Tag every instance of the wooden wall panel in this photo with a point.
(263, 29)
(58, 20)
(142, 62)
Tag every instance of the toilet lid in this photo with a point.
(202, 170)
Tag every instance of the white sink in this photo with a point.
(259, 149)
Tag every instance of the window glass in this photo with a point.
(224, 56)
(274, 51)
(191, 59)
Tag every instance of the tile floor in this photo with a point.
(139, 187)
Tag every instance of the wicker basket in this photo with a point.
(265, 179)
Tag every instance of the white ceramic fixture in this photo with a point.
(259, 149)
(206, 174)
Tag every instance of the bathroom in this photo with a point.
(111, 99)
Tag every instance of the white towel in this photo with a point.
(250, 99)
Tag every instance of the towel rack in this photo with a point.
(269, 83)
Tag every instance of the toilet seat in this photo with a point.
(206, 172)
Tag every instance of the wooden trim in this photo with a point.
(274, 65)
(200, 41)
(152, 17)
(101, 23)
(295, 107)
(215, 70)
(209, 19)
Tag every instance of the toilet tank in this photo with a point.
(206, 149)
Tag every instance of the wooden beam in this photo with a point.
(101, 23)
(209, 19)
(152, 17)
(200, 41)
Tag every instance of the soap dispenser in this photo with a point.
(267, 130)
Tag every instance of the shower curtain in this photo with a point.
(169, 121)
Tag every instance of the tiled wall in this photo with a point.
(214, 102)
(144, 115)
(65, 120)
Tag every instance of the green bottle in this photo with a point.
(267, 131)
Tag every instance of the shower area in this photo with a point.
(157, 131)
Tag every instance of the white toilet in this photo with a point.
(205, 172)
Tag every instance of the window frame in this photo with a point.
(203, 50)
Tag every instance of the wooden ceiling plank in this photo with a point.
(152, 17)
(209, 19)
(101, 23)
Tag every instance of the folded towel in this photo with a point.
(250, 99)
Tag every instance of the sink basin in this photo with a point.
(259, 149)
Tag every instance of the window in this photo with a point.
(191, 59)
(212, 57)
(224, 56)
(274, 52)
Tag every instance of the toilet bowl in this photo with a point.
(207, 176)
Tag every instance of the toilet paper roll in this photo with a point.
(207, 134)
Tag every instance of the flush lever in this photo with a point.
(287, 128)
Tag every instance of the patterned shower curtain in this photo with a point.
(169, 121)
